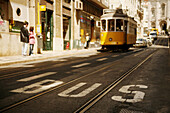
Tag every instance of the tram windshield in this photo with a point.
(111, 25)
(103, 25)
(119, 24)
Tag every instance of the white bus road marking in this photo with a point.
(36, 76)
(81, 94)
(137, 97)
(101, 59)
(80, 65)
(37, 87)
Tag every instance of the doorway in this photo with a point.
(92, 31)
(47, 29)
(66, 31)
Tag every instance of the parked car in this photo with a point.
(149, 41)
(140, 42)
(145, 35)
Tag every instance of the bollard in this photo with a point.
(67, 46)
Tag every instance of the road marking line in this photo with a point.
(36, 77)
(137, 50)
(115, 55)
(102, 59)
(59, 60)
(123, 53)
(80, 65)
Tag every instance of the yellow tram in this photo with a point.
(118, 30)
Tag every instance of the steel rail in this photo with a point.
(100, 95)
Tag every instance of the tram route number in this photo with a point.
(46, 84)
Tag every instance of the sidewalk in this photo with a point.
(7, 60)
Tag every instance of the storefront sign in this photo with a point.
(42, 7)
(15, 26)
(82, 32)
(38, 29)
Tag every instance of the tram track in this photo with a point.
(101, 94)
(93, 100)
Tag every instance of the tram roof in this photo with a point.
(113, 13)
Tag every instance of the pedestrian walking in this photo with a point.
(87, 41)
(24, 35)
(31, 40)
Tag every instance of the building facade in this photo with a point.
(85, 22)
(57, 23)
(157, 15)
(12, 15)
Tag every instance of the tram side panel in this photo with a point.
(112, 38)
(131, 39)
(116, 38)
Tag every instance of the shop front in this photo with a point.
(47, 24)
(89, 29)
(47, 29)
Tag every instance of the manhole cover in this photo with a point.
(129, 111)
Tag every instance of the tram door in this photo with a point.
(125, 28)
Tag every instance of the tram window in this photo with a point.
(119, 25)
(111, 25)
(103, 25)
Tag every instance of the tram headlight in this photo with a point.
(110, 39)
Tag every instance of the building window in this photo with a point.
(67, 1)
(18, 11)
(163, 9)
(153, 11)
(153, 24)
(111, 6)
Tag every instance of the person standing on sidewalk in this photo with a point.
(31, 40)
(87, 41)
(24, 35)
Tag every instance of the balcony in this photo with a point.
(67, 5)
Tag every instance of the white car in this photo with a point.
(140, 42)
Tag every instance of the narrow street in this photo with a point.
(84, 56)
(101, 82)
